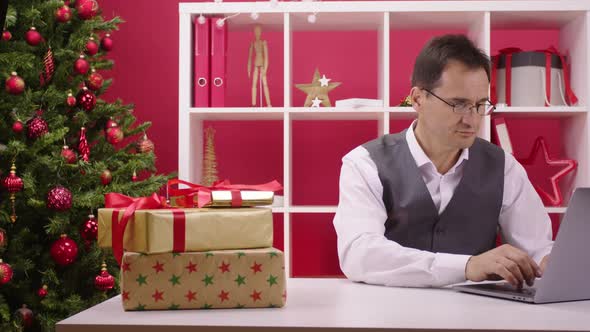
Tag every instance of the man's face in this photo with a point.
(458, 84)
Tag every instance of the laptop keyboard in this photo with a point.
(506, 287)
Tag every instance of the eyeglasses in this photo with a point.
(485, 108)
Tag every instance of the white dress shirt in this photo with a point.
(365, 253)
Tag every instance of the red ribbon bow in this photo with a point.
(569, 93)
(130, 204)
(508, 53)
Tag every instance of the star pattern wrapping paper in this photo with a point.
(249, 278)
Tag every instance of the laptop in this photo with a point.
(568, 269)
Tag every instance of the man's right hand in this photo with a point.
(504, 262)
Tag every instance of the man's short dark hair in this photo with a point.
(437, 53)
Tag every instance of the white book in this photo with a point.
(358, 103)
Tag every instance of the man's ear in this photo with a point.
(417, 98)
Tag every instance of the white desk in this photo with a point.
(333, 304)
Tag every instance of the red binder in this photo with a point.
(201, 79)
(218, 62)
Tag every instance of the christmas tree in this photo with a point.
(61, 149)
(209, 160)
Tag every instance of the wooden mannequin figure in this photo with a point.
(260, 65)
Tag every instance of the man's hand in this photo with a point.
(505, 262)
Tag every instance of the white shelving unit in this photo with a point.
(477, 18)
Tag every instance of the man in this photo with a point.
(422, 208)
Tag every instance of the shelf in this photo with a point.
(356, 21)
(331, 113)
(532, 20)
(237, 113)
(333, 208)
(543, 7)
(312, 209)
(540, 111)
(433, 20)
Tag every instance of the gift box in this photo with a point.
(226, 198)
(221, 194)
(179, 230)
(249, 278)
(533, 78)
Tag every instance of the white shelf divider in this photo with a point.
(187, 149)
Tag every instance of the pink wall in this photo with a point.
(146, 73)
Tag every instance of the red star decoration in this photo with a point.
(256, 267)
(158, 296)
(255, 295)
(125, 296)
(223, 296)
(190, 296)
(191, 267)
(554, 197)
(285, 295)
(224, 267)
(159, 267)
(126, 267)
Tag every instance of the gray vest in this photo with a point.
(468, 224)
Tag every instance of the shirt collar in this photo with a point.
(420, 156)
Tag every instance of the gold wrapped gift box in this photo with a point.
(223, 198)
(152, 231)
(250, 278)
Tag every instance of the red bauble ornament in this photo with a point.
(114, 135)
(71, 100)
(106, 177)
(36, 127)
(68, 155)
(3, 238)
(134, 177)
(17, 127)
(89, 230)
(5, 273)
(6, 35)
(86, 99)
(63, 14)
(95, 80)
(81, 66)
(33, 37)
(106, 43)
(91, 46)
(42, 292)
(64, 251)
(83, 147)
(25, 316)
(111, 123)
(15, 85)
(145, 145)
(12, 182)
(104, 281)
(86, 9)
(59, 199)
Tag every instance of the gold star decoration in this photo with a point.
(318, 91)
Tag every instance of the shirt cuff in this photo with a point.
(538, 256)
(449, 268)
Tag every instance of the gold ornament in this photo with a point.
(318, 91)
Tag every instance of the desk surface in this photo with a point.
(331, 304)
